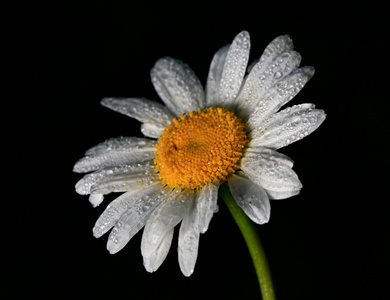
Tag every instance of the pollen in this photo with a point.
(199, 148)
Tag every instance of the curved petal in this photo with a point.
(273, 195)
(155, 260)
(277, 96)
(134, 218)
(177, 85)
(96, 199)
(233, 70)
(260, 80)
(288, 126)
(270, 172)
(115, 152)
(215, 74)
(206, 201)
(115, 178)
(189, 241)
(251, 198)
(167, 215)
(145, 111)
(119, 206)
(271, 154)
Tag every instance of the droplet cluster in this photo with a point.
(200, 148)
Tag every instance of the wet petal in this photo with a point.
(270, 172)
(119, 206)
(215, 75)
(164, 218)
(233, 70)
(96, 199)
(288, 126)
(251, 198)
(145, 111)
(115, 152)
(134, 218)
(206, 201)
(277, 96)
(155, 260)
(116, 179)
(189, 241)
(177, 85)
(260, 80)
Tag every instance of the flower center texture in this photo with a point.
(200, 148)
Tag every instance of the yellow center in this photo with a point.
(200, 148)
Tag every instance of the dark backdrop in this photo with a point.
(329, 242)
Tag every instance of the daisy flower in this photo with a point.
(229, 132)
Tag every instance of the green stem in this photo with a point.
(252, 240)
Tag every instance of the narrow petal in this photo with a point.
(155, 260)
(145, 111)
(120, 205)
(134, 218)
(177, 85)
(215, 75)
(167, 215)
(206, 201)
(137, 173)
(115, 152)
(262, 78)
(152, 130)
(251, 198)
(234, 69)
(189, 241)
(270, 172)
(288, 126)
(277, 96)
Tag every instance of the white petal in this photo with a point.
(251, 198)
(119, 206)
(134, 218)
(234, 69)
(155, 260)
(215, 75)
(270, 172)
(116, 179)
(152, 130)
(271, 154)
(177, 85)
(282, 195)
(206, 201)
(260, 80)
(96, 199)
(288, 126)
(115, 152)
(189, 241)
(279, 45)
(277, 96)
(167, 215)
(145, 111)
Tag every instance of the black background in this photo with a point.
(329, 242)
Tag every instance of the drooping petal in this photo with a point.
(177, 85)
(206, 201)
(215, 75)
(277, 96)
(167, 215)
(288, 126)
(262, 78)
(120, 205)
(115, 152)
(134, 218)
(233, 70)
(116, 178)
(189, 241)
(155, 260)
(145, 111)
(251, 198)
(270, 172)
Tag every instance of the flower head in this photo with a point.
(228, 133)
